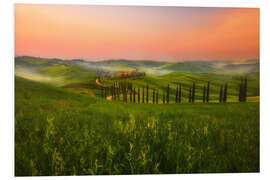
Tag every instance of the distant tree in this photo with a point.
(143, 96)
(176, 95)
(203, 94)
(189, 97)
(220, 93)
(245, 90)
(163, 97)
(180, 93)
(241, 91)
(112, 90)
(118, 94)
(153, 99)
(134, 95)
(168, 94)
(126, 94)
(193, 92)
(130, 96)
(147, 94)
(105, 94)
(157, 97)
(207, 92)
(225, 92)
(138, 95)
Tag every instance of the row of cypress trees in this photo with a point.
(126, 88)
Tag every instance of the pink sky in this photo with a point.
(153, 33)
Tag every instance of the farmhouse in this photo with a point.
(130, 73)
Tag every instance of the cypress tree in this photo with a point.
(203, 94)
(112, 93)
(123, 92)
(220, 93)
(105, 95)
(245, 90)
(143, 96)
(176, 95)
(154, 96)
(153, 99)
(225, 92)
(126, 95)
(157, 97)
(180, 93)
(113, 90)
(241, 92)
(147, 94)
(134, 95)
(207, 92)
(163, 97)
(168, 94)
(193, 92)
(130, 96)
(117, 91)
(138, 95)
(189, 97)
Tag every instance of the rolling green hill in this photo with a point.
(58, 132)
(64, 127)
(150, 67)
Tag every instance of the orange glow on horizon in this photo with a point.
(108, 32)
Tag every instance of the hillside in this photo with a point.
(150, 67)
(58, 132)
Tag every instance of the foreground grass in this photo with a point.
(58, 132)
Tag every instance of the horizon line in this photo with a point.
(117, 59)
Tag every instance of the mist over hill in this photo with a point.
(40, 65)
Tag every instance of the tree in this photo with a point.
(112, 90)
(157, 97)
(203, 94)
(147, 94)
(245, 90)
(105, 94)
(189, 97)
(180, 94)
(225, 92)
(220, 93)
(176, 95)
(143, 96)
(168, 94)
(163, 97)
(134, 95)
(207, 92)
(138, 95)
(241, 91)
(130, 96)
(153, 99)
(193, 92)
(118, 94)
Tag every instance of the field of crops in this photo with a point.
(59, 131)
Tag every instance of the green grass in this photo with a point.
(59, 132)
(69, 73)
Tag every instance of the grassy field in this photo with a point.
(59, 131)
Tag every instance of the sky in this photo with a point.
(136, 32)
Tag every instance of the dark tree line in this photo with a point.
(141, 95)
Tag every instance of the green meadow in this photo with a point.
(64, 127)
